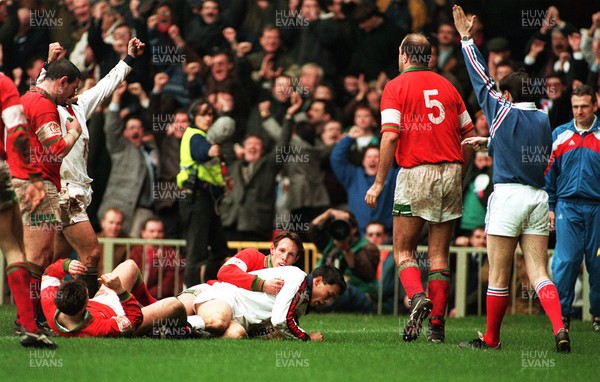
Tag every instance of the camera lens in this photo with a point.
(339, 229)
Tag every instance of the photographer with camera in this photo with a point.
(335, 232)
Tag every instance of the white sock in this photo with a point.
(196, 321)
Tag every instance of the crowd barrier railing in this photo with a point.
(311, 257)
(177, 262)
(461, 276)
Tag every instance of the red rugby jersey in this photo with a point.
(100, 319)
(235, 270)
(12, 112)
(13, 120)
(45, 137)
(428, 113)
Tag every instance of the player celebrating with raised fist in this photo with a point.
(76, 191)
(423, 120)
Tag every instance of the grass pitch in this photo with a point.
(356, 348)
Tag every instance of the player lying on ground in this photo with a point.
(227, 311)
(285, 250)
(113, 312)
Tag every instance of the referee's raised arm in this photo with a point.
(484, 86)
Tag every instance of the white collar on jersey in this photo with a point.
(525, 105)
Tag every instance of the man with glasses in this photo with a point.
(376, 234)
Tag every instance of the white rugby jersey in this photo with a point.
(282, 310)
(73, 170)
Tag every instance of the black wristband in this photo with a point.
(129, 60)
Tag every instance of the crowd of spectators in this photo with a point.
(252, 60)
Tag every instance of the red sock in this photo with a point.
(410, 276)
(438, 290)
(546, 291)
(19, 280)
(35, 285)
(141, 293)
(496, 304)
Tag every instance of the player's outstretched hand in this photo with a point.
(317, 337)
(76, 268)
(273, 286)
(477, 143)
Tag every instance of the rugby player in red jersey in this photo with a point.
(11, 230)
(48, 147)
(423, 121)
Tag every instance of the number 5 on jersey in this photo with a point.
(434, 103)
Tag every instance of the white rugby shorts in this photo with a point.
(517, 209)
(430, 191)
